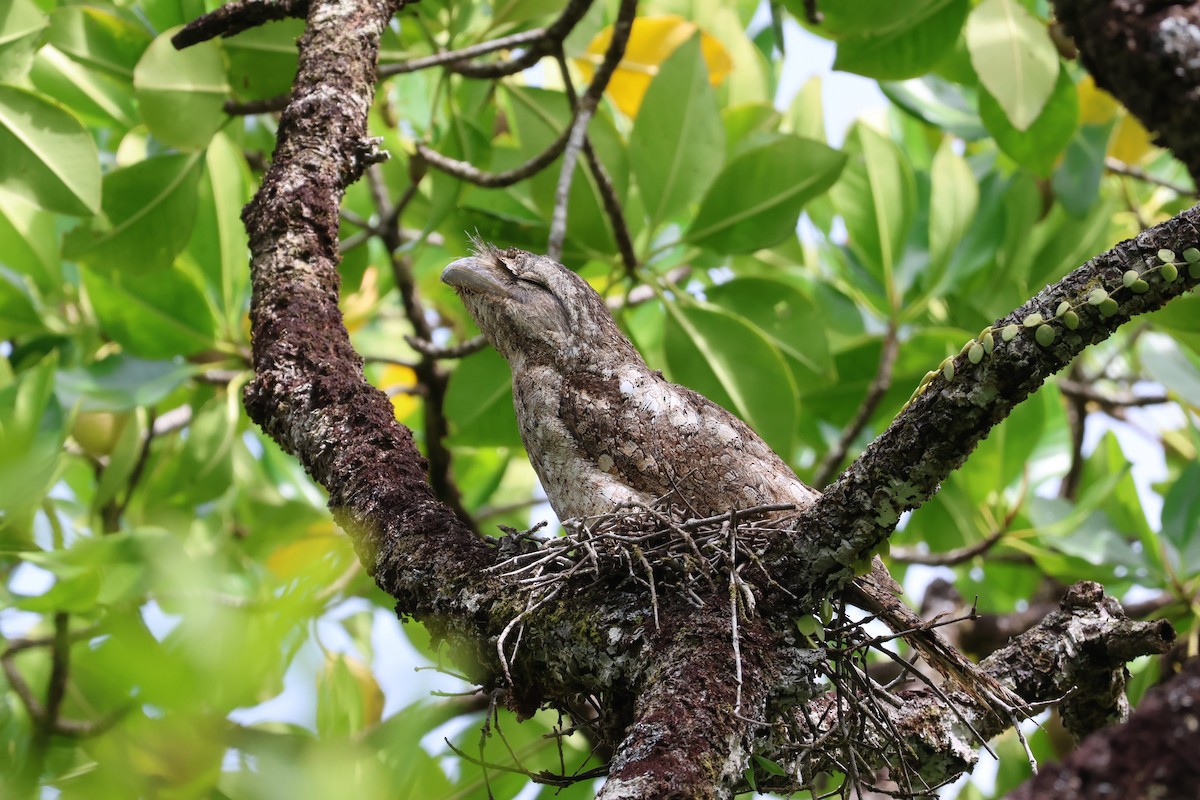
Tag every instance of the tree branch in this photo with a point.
(1147, 56)
(233, 18)
(948, 417)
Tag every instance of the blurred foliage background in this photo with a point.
(180, 616)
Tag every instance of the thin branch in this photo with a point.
(951, 557)
(464, 170)
(584, 109)
(463, 53)
(460, 350)
(556, 32)
(587, 105)
(429, 374)
(267, 105)
(608, 192)
(1119, 167)
(562, 191)
(965, 398)
(233, 18)
(875, 393)
(1088, 392)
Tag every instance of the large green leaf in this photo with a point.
(98, 39)
(96, 96)
(1036, 147)
(877, 198)
(907, 51)
(181, 93)
(939, 102)
(32, 430)
(21, 25)
(46, 156)
(678, 141)
(153, 316)
(756, 200)
(262, 60)
(1014, 58)
(120, 383)
(954, 196)
(731, 362)
(787, 317)
(479, 403)
(218, 245)
(149, 210)
(1181, 518)
(842, 18)
(29, 242)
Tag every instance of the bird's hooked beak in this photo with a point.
(481, 275)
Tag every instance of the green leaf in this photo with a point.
(954, 197)
(1166, 362)
(119, 383)
(479, 402)
(200, 467)
(789, 319)
(154, 316)
(677, 145)
(806, 114)
(32, 431)
(1038, 146)
(908, 51)
(29, 242)
(262, 60)
(48, 158)
(939, 102)
(149, 210)
(1017, 63)
(841, 18)
(1181, 518)
(181, 93)
(756, 200)
(21, 25)
(1077, 179)
(876, 197)
(732, 363)
(96, 96)
(98, 39)
(218, 246)
(18, 306)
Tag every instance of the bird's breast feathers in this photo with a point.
(599, 440)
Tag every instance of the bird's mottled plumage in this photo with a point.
(600, 426)
(603, 429)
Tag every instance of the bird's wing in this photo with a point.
(667, 441)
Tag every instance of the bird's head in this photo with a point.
(533, 309)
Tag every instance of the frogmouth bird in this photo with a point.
(603, 429)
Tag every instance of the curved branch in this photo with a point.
(233, 18)
(1078, 650)
(941, 426)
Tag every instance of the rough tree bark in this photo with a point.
(679, 724)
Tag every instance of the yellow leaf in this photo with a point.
(298, 557)
(1132, 142)
(651, 42)
(371, 694)
(399, 381)
(358, 307)
(1096, 106)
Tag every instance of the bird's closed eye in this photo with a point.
(534, 278)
